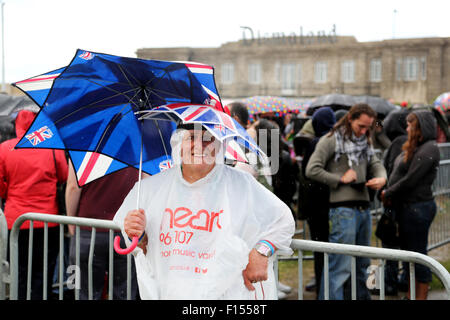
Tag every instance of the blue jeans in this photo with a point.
(348, 226)
(414, 224)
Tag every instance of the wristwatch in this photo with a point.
(263, 249)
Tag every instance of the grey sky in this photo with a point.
(42, 35)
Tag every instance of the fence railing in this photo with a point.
(4, 265)
(62, 220)
(354, 251)
(301, 245)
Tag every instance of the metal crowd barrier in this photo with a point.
(62, 220)
(440, 228)
(300, 245)
(370, 252)
(4, 265)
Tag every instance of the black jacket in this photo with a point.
(412, 181)
(314, 196)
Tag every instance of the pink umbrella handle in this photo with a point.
(119, 250)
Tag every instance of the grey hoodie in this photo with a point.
(411, 181)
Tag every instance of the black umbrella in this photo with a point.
(337, 99)
(7, 130)
(334, 100)
(10, 104)
(381, 106)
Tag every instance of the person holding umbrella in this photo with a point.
(196, 225)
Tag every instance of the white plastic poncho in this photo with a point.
(200, 234)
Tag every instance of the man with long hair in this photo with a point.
(345, 161)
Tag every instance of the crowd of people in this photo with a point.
(326, 172)
(345, 158)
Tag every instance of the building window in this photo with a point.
(254, 73)
(299, 73)
(348, 71)
(320, 72)
(375, 70)
(399, 69)
(288, 76)
(411, 68)
(227, 73)
(277, 72)
(423, 68)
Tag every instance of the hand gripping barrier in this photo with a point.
(119, 250)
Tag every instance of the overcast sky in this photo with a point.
(42, 35)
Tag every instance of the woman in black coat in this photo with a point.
(409, 190)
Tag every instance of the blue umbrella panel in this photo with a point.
(90, 105)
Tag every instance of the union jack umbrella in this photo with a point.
(88, 109)
(89, 106)
(222, 126)
(442, 103)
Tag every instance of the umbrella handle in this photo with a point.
(125, 251)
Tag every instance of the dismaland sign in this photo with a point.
(249, 37)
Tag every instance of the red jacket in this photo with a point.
(28, 177)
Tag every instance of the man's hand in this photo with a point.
(349, 176)
(376, 183)
(256, 269)
(134, 223)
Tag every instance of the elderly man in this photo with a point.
(208, 231)
(345, 161)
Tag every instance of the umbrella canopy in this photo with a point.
(334, 99)
(89, 107)
(222, 126)
(442, 103)
(7, 129)
(257, 105)
(265, 104)
(12, 104)
(298, 105)
(381, 106)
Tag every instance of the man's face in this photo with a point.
(198, 147)
(361, 125)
